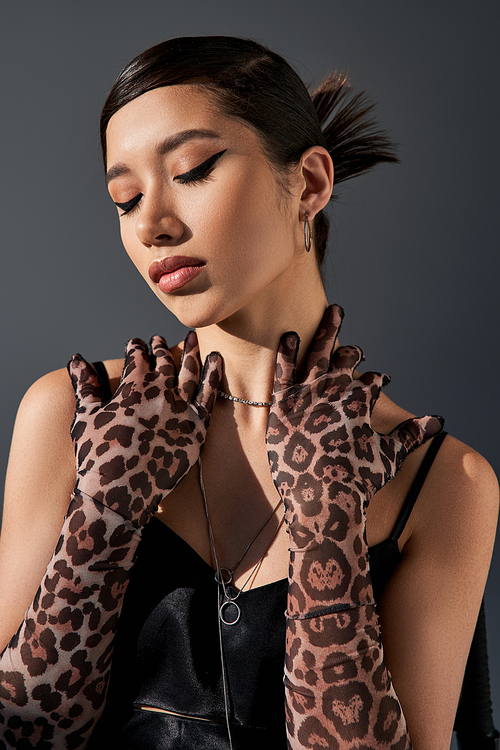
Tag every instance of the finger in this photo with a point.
(85, 381)
(321, 349)
(189, 370)
(374, 381)
(286, 361)
(164, 361)
(137, 361)
(209, 382)
(346, 359)
(416, 431)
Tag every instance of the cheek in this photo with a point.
(137, 253)
(249, 218)
(129, 241)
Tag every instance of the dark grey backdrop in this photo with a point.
(414, 251)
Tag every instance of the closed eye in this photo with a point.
(201, 172)
(129, 205)
(197, 174)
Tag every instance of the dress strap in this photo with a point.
(103, 377)
(418, 482)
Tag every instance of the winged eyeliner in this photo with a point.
(193, 175)
(197, 172)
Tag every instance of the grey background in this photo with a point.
(414, 248)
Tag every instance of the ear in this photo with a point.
(317, 174)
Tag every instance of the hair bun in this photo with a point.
(355, 140)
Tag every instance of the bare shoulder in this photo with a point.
(456, 515)
(43, 419)
(51, 390)
(459, 496)
(41, 450)
(460, 491)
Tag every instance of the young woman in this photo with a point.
(208, 500)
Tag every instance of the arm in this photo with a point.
(327, 462)
(131, 452)
(40, 477)
(433, 598)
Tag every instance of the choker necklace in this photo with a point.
(244, 401)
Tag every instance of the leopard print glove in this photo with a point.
(131, 452)
(135, 449)
(327, 462)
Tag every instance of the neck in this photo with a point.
(248, 340)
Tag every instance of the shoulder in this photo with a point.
(459, 498)
(41, 442)
(457, 467)
(456, 514)
(41, 460)
(461, 487)
(48, 404)
(454, 519)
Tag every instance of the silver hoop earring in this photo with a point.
(307, 233)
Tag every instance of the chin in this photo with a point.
(195, 321)
(209, 307)
(195, 312)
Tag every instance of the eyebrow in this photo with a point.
(168, 145)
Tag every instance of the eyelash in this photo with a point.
(198, 174)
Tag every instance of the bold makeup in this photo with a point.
(201, 171)
(174, 272)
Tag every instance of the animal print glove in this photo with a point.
(327, 462)
(131, 451)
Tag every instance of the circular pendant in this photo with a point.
(223, 576)
(229, 612)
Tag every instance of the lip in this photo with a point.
(175, 271)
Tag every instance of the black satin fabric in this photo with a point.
(157, 731)
(167, 655)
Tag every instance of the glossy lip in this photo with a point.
(159, 268)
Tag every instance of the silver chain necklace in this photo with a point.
(243, 400)
(224, 576)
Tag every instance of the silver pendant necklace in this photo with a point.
(224, 577)
(229, 610)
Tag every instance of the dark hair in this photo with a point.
(259, 87)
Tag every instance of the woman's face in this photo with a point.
(202, 215)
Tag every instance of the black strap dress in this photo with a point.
(167, 650)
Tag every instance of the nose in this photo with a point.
(157, 224)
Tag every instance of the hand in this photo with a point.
(327, 462)
(134, 449)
